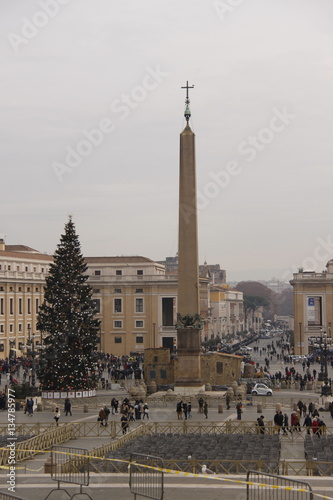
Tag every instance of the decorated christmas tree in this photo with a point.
(67, 321)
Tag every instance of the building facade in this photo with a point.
(227, 311)
(136, 302)
(313, 306)
(22, 279)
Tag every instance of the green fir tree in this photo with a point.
(66, 317)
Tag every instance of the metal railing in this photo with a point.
(4, 495)
(277, 488)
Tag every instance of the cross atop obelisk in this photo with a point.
(187, 112)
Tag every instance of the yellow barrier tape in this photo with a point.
(180, 473)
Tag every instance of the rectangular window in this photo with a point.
(314, 310)
(139, 272)
(118, 340)
(138, 324)
(11, 328)
(20, 327)
(118, 324)
(17, 268)
(2, 328)
(117, 305)
(139, 305)
(167, 311)
(29, 306)
(1, 306)
(11, 306)
(20, 306)
(117, 290)
(139, 290)
(26, 268)
(96, 290)
(139, 340)
(97, 273)
(119, 272)
(2, 347)
(37, 305)
(219, 367)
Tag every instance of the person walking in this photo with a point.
(67, 407)
(239, 410)
(308, 423)
(57, 416)
(285, 427)
(124, 424)
(30, 407)
(205, 409)
(261, 425)
(145, 411)
(101, 417)
(227, 401)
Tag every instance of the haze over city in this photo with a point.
(92, 109)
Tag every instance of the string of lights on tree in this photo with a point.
(67, 319)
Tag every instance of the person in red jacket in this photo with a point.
(315, 426)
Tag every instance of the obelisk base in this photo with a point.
(189, 379)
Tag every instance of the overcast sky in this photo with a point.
(92, 109)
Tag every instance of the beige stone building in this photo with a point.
(227, 312)
(136, 301)
(313, 306)
(22, 278)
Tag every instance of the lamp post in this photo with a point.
(322, 342)
(31, 344)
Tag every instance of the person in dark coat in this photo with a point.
(68, 407)
(308, 423)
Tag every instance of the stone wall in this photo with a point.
(158, 366)
(220, 369)
(216, 368)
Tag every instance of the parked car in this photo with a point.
(261, 390)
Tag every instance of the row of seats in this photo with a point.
(203, 448)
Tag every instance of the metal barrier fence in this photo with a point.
(70, 465)
(7, 496)
(64, 467)
(278, 488)
(145, 481)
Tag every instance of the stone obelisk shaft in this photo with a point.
(188, 270)
(188, 337)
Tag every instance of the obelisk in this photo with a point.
(188, 379)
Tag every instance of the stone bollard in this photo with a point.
(39, 407)
(295, 407)
(259, 408)
(220, 408)
(49, 467)
(85, 408)
(17, 405)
